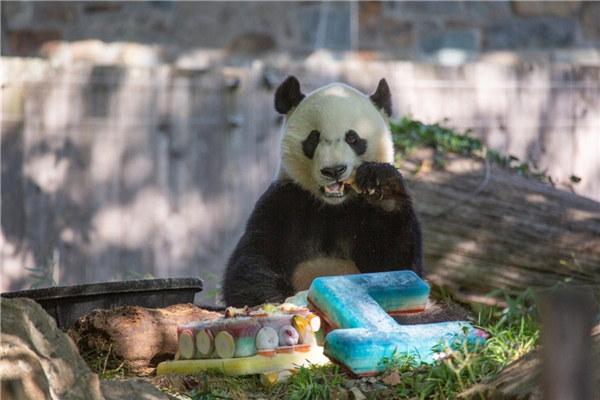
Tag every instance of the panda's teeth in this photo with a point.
(334, 188)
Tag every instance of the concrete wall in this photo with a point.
(114, 172)
(410, 30)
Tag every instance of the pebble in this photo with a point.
(358, 395)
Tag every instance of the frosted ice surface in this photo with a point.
(358, 305)
(362, 300)
(299, 299)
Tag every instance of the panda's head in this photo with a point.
(328, 133)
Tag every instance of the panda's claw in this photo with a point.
(377, 180)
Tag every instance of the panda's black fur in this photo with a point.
(377, 230)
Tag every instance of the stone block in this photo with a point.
(102, 6)
(369, 13)
(162, 4)
(545, 8)
(590, 23)
(26, 42)
(252, 43)
(538, 32)
(16, 14)
(481, 11)
(55, 13)
(398, 33)
(462, 39)
(369, 25)
(325, 25)
(426, 9)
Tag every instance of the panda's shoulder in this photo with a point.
(281, 192)
(281, 196)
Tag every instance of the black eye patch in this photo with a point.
(309, 145)
(358, 144)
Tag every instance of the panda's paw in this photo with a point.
(379, 180)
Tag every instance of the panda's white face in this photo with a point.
(328, 135)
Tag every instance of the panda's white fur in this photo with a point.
(333, 110)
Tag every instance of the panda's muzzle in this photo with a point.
(336, 188)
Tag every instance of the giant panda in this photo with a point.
(338, 205)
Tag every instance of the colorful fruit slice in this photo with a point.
(300, 323)
(267, 338)
(288, 336)
(224, 344)
(314, 321)
(204, 342)
(186, 345)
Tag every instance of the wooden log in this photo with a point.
(488, 228)
(142, 337)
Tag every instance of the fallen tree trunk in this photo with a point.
(486, 228)
(142, 337)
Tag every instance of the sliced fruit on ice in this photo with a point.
(204, 342)
(224, 344)
(186, 345)
(314, 321)
(288, 336)
(267, 338)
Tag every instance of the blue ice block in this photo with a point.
(359, 306)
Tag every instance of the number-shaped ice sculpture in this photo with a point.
(359, 308)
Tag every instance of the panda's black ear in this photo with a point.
(382, 97)
(288, 95)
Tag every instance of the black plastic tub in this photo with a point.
(67, 303)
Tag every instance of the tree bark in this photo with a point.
(486, 228)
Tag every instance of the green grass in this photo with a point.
(514, 332)
(315, 383)
(308, 383)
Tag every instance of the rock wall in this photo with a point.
(411, 30)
